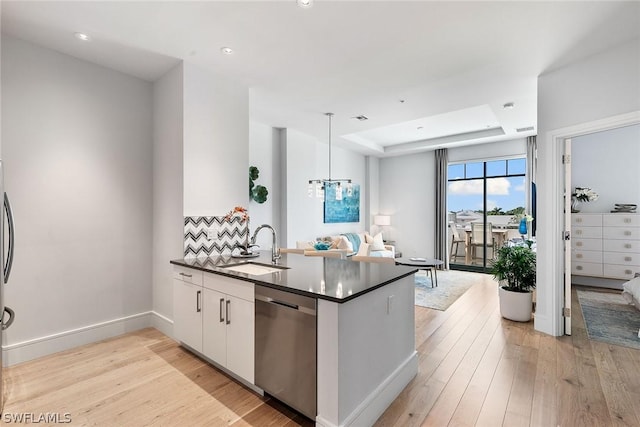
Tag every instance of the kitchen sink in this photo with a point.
(254, 268)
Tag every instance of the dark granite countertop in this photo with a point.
(318, 277)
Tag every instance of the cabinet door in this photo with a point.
(214, 330)
(187, 313)
(240, 337)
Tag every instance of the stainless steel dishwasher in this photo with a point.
(285, 348)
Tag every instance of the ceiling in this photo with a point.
(427, 74)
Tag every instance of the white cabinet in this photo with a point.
(605, 245)
(228, 331)
(586, 244)
(214, 315)
(621, 245)
(187, 307)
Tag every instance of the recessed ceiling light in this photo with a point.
(361, 117)
(420, 127)
(508, 105)
(305, 4)
(226, 50)
(82, 36)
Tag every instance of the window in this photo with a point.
(490, 192)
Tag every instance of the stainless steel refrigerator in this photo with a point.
(7, 234)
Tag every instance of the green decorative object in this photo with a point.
(257, 193)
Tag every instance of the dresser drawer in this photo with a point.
(620, 271)
(621, 220)
(586, 220)
(586, 244)
(629, 233)
(622, 258)
(586, 232)
(611, 245)
(188, 275)
(586, 256)
(586, 268)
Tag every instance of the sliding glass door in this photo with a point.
(485, 201)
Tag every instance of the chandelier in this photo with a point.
(328, 186)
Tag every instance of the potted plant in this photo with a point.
(515, 269)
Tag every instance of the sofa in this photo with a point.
(367, 245)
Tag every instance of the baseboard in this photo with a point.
(380, 398)
(43, 346)
(162, 323)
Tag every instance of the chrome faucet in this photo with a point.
(275, 251)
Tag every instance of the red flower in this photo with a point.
(238, 211)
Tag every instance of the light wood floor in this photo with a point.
(475, 369)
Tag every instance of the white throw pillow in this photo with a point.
(344, 243)
(376, 242)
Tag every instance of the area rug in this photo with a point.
(609, 318)
(452, 285)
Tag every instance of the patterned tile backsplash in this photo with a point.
(230, 233)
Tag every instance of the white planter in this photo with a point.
(515, 305)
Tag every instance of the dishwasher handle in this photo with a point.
(301, 309)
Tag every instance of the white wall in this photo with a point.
(307, 158)
(407, 193)
(264, 153)
(77, 148)
(168, 228)
(615, 155)
(599, 87)
(492, 150)
(216, 143)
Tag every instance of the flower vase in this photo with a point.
(575, 205)
(523, 228)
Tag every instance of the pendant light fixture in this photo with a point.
(320, 186)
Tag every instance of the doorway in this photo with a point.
(601, 173)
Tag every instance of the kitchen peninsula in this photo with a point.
(365, 324)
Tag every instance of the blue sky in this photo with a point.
(504, 192)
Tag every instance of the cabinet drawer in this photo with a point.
(629, 233)
(586, 268)
(586, 256)
(586, 220)
(229, 286)
(621, 245)
(622, 258)
(587, 232)
(586, 244)
(620, 271)
(189, 275)
(621, 220)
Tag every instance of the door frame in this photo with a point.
(551, 264)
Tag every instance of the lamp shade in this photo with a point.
(381, 220)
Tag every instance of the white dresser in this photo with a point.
(605, 245)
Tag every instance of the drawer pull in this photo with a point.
(578, 243)
(579, 268)
(627, 220)
(198, 304)
(578, 219)
(221, 310)
(578, 255)
(186, 275)
(627, 233)
(627, 258)
(628, 272)
(578, 231)
(628, 245)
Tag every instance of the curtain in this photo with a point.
(441, 231)
(532, 164)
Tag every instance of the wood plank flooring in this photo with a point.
(474, 369)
